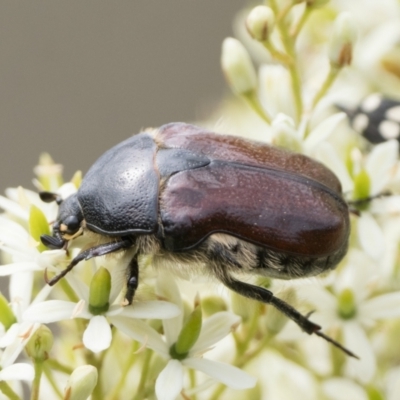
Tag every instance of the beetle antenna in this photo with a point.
(265, 296)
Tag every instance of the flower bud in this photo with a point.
(38, 226)
(77, 179)
(81, 383)
(237, 67)
(260, 23)
(213, 304)
(316, 3)
(49, 173)
(342, 41)
(40, 344)
(346, 304)
(7, 317)
(99, 295)
(188, 335)
(362, 187)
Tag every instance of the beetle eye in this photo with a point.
(72, 223)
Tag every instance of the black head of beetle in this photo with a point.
(188, 196)
(69, 221)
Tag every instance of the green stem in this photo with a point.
(97, 362)
(193, 382)
(38, 365)
(255, 104)
(288, 43)
(66, 287)
(332, 75)
(7, 391)
(295, 32)
(57, 366)
(140, 393)
(278, 55)
(128, 364)
(49, 375)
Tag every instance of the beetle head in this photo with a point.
(68, 225)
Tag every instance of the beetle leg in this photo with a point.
(96, 251)
(133, 280)
(265, 296)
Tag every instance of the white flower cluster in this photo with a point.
(317, 57)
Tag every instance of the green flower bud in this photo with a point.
(99, 295)
(342, 41)
(38, 226)
(40, 344)
(276, 320)
(316, 3)
(213, 304)
(77, 179)
(188, 335)
(81, 383)
(260, 23)
(362, 188)
(346, 304)
(7, 317)
(243, 306)
(237, 67)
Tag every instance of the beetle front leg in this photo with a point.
(265, 296)
(96, 251)
(133, 280)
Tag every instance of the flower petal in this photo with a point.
(151, 309)
(140, 331)
(168, 289)
(97, 336)
(381, 159)
(384, 306)
(214, 329)
(356, 339)
(370, 236)
(326, 154)
(8, 269)
(49, 311)
(170, 381)
(323, 130)
(18, 371)
(229, 375)
(343, 389)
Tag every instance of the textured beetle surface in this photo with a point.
(191, 197)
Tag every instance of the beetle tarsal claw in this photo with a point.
(336, 344)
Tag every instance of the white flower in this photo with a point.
(97, 336)
(170, 381)
(351, 306)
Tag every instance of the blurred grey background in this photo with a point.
(79, 76)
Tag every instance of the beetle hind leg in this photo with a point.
(265, 296)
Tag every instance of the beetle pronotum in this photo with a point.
(187, 195)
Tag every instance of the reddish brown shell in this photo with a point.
(259, 193)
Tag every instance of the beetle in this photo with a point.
(220, 203)
(377, 118)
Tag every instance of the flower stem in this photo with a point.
(38, 365)
(7, 391)
(255, 104)
(333, 73)
(140, 393)
(49, 375)
(288, 43)
(131, 358)
(295, 32)
(192, 378)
